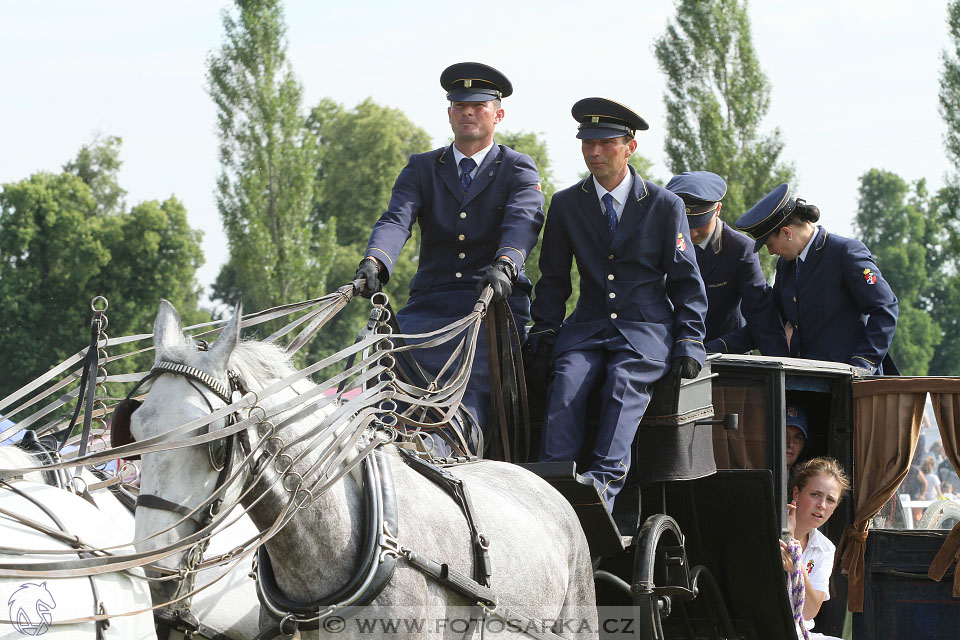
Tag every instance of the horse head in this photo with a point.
(189, 383)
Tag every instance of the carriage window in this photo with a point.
(748, 397)
(929, 497)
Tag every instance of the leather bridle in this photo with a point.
(221, 457)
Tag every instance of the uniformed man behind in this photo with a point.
(737, 293)
(642, 303)
(480, 209)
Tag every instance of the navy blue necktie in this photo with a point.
(609, 213)
(467, 165)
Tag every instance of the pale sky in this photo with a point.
(854, 83)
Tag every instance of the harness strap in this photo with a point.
(507, 387)
(453, 485)
(484, 596)
(98, 607)
(186, 623)
(151, 501)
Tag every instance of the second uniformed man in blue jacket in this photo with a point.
(737, 293)
(642, 303)
(480, 209)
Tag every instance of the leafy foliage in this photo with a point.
(717, 96)
(63, 241)
(268, 161)
(360, 153)
(898, 222)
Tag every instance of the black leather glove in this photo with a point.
(369, 273)
(685, 367)
(537, 353)
(501, 275)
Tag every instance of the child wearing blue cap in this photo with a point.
(796, 433)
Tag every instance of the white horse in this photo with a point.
(40, 606)
(541, 568)
(228, 605)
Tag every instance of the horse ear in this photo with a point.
(167, 329)
(227, 341)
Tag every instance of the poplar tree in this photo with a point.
(268, 162)
(717, 96)
(946, 285)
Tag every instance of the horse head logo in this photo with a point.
(29, 608)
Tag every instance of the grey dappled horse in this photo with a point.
(540, 559)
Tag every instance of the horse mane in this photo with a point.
(262, 362)
(13, 457)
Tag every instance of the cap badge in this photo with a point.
(594, 118)
(467, 84)
(792, 412)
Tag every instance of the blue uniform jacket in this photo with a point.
(841, 307)
(738, 295)
(500, 214)
(644, 280)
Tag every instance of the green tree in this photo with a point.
(268, 162)
(898, 223)
(946, 282)
(61, 245)
(97, 164)
(360, 153)
(717, 96)
(950, 86)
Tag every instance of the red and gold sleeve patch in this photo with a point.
(869, 276)
(681, 242)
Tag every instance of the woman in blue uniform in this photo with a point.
(834, 301)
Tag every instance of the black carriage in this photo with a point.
(692, 545)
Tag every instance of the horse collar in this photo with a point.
(378, 557)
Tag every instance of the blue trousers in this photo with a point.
(625, 395)
(430, 310)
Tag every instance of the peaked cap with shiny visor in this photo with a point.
(768, 215)
(700, 192)
(600, 119)
(474, 82)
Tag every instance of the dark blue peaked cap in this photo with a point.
(700, 191)
(474, 82)
(797, 417)
(600, 119)
(768, 215)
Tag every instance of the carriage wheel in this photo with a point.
(706, 588)
(660, 574)
(941, 514)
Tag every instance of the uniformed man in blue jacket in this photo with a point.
(642, 303)
(737, 293)
(480, 209)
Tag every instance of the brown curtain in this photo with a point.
(881, 461)
(946, 408)
(743, 448)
